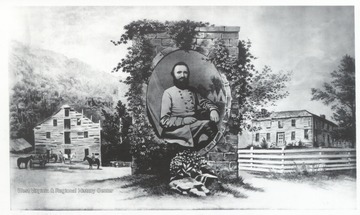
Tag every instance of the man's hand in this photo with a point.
(214, 116)
(189, 120)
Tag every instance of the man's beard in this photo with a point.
(181, 83)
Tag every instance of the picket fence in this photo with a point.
(290, 160)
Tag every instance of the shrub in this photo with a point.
(186, 164)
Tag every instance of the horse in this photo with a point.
(91, 162)
(53, 156)
(64, 157)
(24, 160)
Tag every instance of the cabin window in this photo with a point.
(78, 121)
(257, 137)
(48, 135)
(267, 136)
(306, 134)
(86, 134)
(293, 122)
(67, 138)
(293, 135)
(67, 124)
(280, 124)
(67, 111)
(54, 122)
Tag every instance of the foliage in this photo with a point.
(248, 88)
(252, 90)
(186, 164)
(115, 129)
(264, 144)
(340, 94)
(42, 81)
(182, 32)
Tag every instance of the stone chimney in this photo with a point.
(323, 116)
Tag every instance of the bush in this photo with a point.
(186, 164)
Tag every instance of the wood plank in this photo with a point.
(315, 156)
(298, 162)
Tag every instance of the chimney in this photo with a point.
(322, 116)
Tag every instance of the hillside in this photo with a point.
(41, 81)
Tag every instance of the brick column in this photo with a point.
(223, 158)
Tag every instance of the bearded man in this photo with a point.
(180, 116)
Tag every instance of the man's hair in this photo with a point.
(179, 64)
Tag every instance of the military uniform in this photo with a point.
(177, 104)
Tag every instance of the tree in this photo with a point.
(340, 94)
(115, 128)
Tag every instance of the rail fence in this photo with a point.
(290, 160)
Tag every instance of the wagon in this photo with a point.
(38, 159)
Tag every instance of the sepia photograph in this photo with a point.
(161, 107)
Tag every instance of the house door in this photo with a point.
(86, 152)
(280, 140)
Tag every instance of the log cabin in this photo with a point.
(68, 132)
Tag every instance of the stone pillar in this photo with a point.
(223, 158)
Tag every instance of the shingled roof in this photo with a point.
(19, 145)
(292, 114)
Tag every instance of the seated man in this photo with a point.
(180, 113)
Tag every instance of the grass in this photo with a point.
(311, 176)
(154, 185)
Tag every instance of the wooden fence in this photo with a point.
(291, 160)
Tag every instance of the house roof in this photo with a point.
(292, 114)
(19, 144)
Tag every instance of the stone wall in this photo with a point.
(206, 38)
(223, 158)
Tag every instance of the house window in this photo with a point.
(67, 124)
(54, 122)
(306, 134)
(257, 137)
(67, 111)
(268, 124)
(78, 121)
(86, 134)
(280, 124)
(67, 138)
(293, 122)
(293, 135)
(268, 137)
(48, 135)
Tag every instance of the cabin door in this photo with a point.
(280, 139)
(86, 152)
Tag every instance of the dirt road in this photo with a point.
(66, 187)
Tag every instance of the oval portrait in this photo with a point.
(167, 95)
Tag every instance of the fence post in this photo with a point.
(349, 158)
(320, 153)
(283, 159)
(251, 158)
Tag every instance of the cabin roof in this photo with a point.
(19, 144)
(56, 112)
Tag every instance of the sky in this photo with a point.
(307, 40)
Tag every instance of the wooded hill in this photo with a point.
(41, 81)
